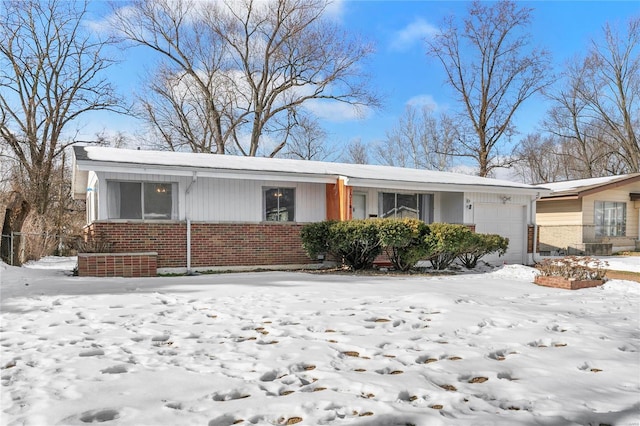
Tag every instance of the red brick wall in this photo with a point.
(117, 264)
(212, 244)
(569, 284)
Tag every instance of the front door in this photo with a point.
(359, 205)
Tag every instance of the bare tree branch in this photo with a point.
(239, 70)
(490, 66)
(51, 73)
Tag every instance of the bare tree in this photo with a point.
(357, 153)
(52, 72)
(596, 112)
(569, 121)
(611, 91)
(234, 72)
(307, 141)
(540, 159)
(420, 140)
(493, 70)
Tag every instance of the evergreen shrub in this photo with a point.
(476, 246)
(403, 241)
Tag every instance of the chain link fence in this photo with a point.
(19, 247)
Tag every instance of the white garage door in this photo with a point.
(505, 220)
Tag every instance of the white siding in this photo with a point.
(451, 207)
(234, 200)
(226, 200)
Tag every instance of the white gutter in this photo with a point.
(194, 178)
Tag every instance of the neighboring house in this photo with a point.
(597, 216)
(204, 211)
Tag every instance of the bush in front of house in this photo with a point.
(444, 243)
(315, 238)
(403, 241)
(355, 242)
(475, 246)
(576, 267)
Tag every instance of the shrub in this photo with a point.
(579, 268)
(94, 245)
(355, 242)
(403, 241)
(315, 238)
(444, 243)
(475, 246)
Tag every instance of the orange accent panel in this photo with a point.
(333, 205)
(339, 201)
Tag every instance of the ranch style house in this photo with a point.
(188, 212)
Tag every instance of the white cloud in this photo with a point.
(335, 10)
(423, 101)
(416, 31)
(336, 111)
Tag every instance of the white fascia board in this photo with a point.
(283, 177)
(207, 173)
(453, 187)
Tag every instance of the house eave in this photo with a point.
(183, 171)
(456, 187)
(559, 197)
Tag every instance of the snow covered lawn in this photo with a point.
(287, 348)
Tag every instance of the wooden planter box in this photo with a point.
(566, 283)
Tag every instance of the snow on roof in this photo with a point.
(580, 185)
(85, 156)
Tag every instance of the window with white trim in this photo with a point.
(399, 205)
(279, 204)
(142, 200)
(610, 218)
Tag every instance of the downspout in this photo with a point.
(194, 178)
(535, 227)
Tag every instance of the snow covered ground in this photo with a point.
(285, 348)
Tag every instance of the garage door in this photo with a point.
(505, 220)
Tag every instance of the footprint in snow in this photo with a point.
(116, 369)
(92, 352)
(225, 420)
(221, 397)
(99, 416)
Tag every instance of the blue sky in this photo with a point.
(400, 70)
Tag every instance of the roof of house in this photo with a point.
(91, 158)
(574, 189)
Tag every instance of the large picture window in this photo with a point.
(279, 204)
(610, 218)
(142, 200)
(396, 205)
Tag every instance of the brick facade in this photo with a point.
(212, 244)
(117, 264)
(530, 235)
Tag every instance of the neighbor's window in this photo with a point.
(610, 218)
(279, 204)
(142, 200)
(417, 206)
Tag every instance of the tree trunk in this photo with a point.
(15, 214)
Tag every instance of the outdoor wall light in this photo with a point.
(505, 199)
